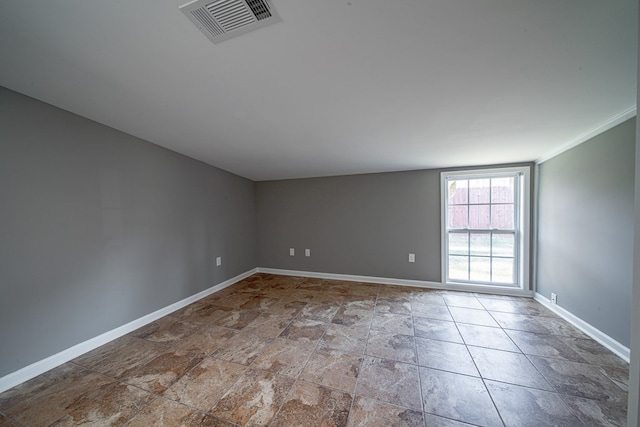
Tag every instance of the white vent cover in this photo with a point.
(220, 20)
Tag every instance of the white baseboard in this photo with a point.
(604, 339)
(18, 377)
(400, 282)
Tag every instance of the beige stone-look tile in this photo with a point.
(529, 407)
(258, 302)
(50, 382)
(352, 316)
(431, 311)
(248, 374)
(436, 329)
(472, 316)
(207, 340)
(304, 330)
(390, 381)
(276, 281)
(620, 376)
(108, 404)
(201, 314)
(243, 348)
(486, 336)
(534, 308)
(596, 354)
(428, 297)
(254, 399)
(393, 306)
(298, 295)
(165, 329)
(436, 421)
(344, 339)
(205, 384)
(191, 309)
(121, 355)
(392, 346)
(461, 299)
(446, 356)
(357, 302)
(286, 308)
(327, 297)
(284, 357)
(313, 284)
(511, 305)
(397, 292)
(7, 422)
(459, 397)
(508, 367)
(319, 312)
(237, 319)
(268, 325)
(579, 379)
(159, 373)
(167, 413)
(333, 369)
(392, 323)
(313, 405)
(360, 289)
(597, 413)
(561, 327)
(47, 406)
(544, 345)
(519, 322)
(373, 413)
(234, 300)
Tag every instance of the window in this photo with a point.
(485, 226)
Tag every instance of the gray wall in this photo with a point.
(585, 230)
(359, 224)
(98, 228)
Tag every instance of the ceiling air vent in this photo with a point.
(223, 19)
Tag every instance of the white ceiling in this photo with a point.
(337, 87)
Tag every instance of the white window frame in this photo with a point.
(523, 225)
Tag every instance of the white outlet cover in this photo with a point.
(218, 261)
(412, 257)
(307, 252)
(292, 252)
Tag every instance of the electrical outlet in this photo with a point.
(292, 252)
(218, 261)
(307, 252)
(412, 257)
(554, 298)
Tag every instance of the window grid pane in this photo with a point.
(482, 249)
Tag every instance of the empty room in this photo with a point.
(319, 213)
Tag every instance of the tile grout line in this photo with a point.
(364, 353)
(415, 346)
(484, 383)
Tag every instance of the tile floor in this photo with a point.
(291, 351)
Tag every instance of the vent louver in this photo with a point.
(223, 19)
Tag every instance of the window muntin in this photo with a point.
(482, 238)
